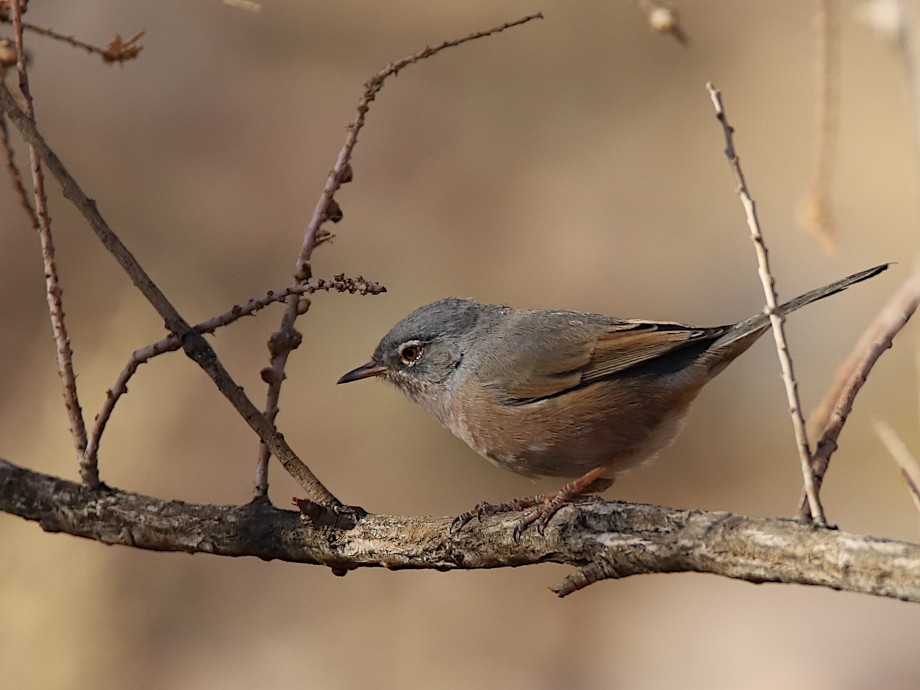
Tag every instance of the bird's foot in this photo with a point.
(544, 505)
(486, 508)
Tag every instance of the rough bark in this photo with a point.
(602, 539)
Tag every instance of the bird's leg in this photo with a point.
(547, 504)
(590, 482)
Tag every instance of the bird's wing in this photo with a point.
(564, 363)
(641, 342)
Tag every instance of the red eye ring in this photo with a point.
(410, 352)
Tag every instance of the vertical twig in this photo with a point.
(776, 321)
(88, 470)
(905, 42)
(816, 212)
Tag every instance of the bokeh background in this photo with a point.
(572, 163)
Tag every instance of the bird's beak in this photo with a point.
(363, 372)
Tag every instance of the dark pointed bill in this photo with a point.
(363, 372)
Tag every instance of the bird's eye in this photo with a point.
(410, 352)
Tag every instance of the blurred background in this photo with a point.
(571, 163)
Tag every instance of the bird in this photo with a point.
(556, 393)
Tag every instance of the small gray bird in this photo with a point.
(560, 393)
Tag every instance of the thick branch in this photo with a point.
(604, 540)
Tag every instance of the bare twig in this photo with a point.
(831, 414)
(118, 49)
(907, 463)
(286, 338)
(171, 343)
(15, 176)
(52, 281)
(777, 321)
(816, 210)
(194, 345)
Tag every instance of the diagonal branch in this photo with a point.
(905, 460)
(605, 540)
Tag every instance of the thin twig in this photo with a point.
(776, 321)
(816, 212)
(171, 343)
(905, 460)
(286, 338)
(19, 188)
(53, 292)
(194, 345)
(904, 39)
(837, 403)
(118, 49)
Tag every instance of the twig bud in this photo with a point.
(334, 211)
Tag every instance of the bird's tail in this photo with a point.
(828, 290)
(745, 333)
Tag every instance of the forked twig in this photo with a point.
(286, 338)
(776, 321)
(171, 343)
(194, 345)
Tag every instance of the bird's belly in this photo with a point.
(618, 428)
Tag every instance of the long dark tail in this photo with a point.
(828, 290)
(746, 332)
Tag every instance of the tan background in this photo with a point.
(571, 163)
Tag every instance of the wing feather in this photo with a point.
(621, 348)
